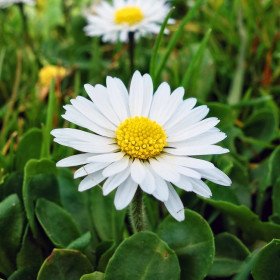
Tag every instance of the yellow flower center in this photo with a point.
(140, 137)
(129, 15)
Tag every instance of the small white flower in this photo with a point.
(114, 21)
(141, 139)
(7, 3)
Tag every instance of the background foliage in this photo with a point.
(227, 55)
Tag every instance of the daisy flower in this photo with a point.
(137, 139)
(51, 72)
(114, 21)
(6, 3)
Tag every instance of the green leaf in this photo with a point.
(12, 184)
(247, 220)
(26, 273)
(30, 254)
(143, 256)
(73, 201)
(230, 254)
(262, 125)
(276, 198)
(224, 113)
(108, 222)
(81, 243)
(39, 181)
(11, 229)
(56, 222)
(93, 276)
(64, 264)
(193, 242)
(274, 166)
(266, 266)
(106, 256)
(29, 147)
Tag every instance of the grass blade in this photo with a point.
(196, 60)
(157, 43)
(176, 36)
(45, 153)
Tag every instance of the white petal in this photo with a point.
(99, 96)
(200, 188)
(118, 99)
(89, 168)
(193, 130)
(193, 117)
(188, 172)
(160, 101)
(74, 160)
(148, 95)
(184, 184)
(107, 157)
(188, 161)
(72, 134)
(125, 193)
(116, 167)
(164, 170)
(207, 138)
(91, 181)
(174, 205)
(88, 147)
(148, 185)
(114, 181)
(136, 94)
(76, 117)
(215, 175)
(198, 150)
(88, 109)
(161, 192)
(138, 171)
(176, 98)
(182, 112)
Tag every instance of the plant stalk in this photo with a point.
(137, 212)
(131, 50)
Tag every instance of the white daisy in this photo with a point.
(7, 3)
(138, 139)
(114, 21)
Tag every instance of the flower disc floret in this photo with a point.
(140, 137)
(130, 15)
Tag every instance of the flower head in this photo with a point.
(51, 72)
(114, 21)
(138, 139)
(7, 3)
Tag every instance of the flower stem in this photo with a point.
(131, 47)
(137, 212)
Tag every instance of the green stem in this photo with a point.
(137, 212)
(131, 48)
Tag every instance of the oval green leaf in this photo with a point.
(109, 222)
(193, 242)
(64, 265)
(266, 265)
(229, 257)
(56, 222)
(39, 181)
(93, 276)
(11, 229)
(143, 256)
